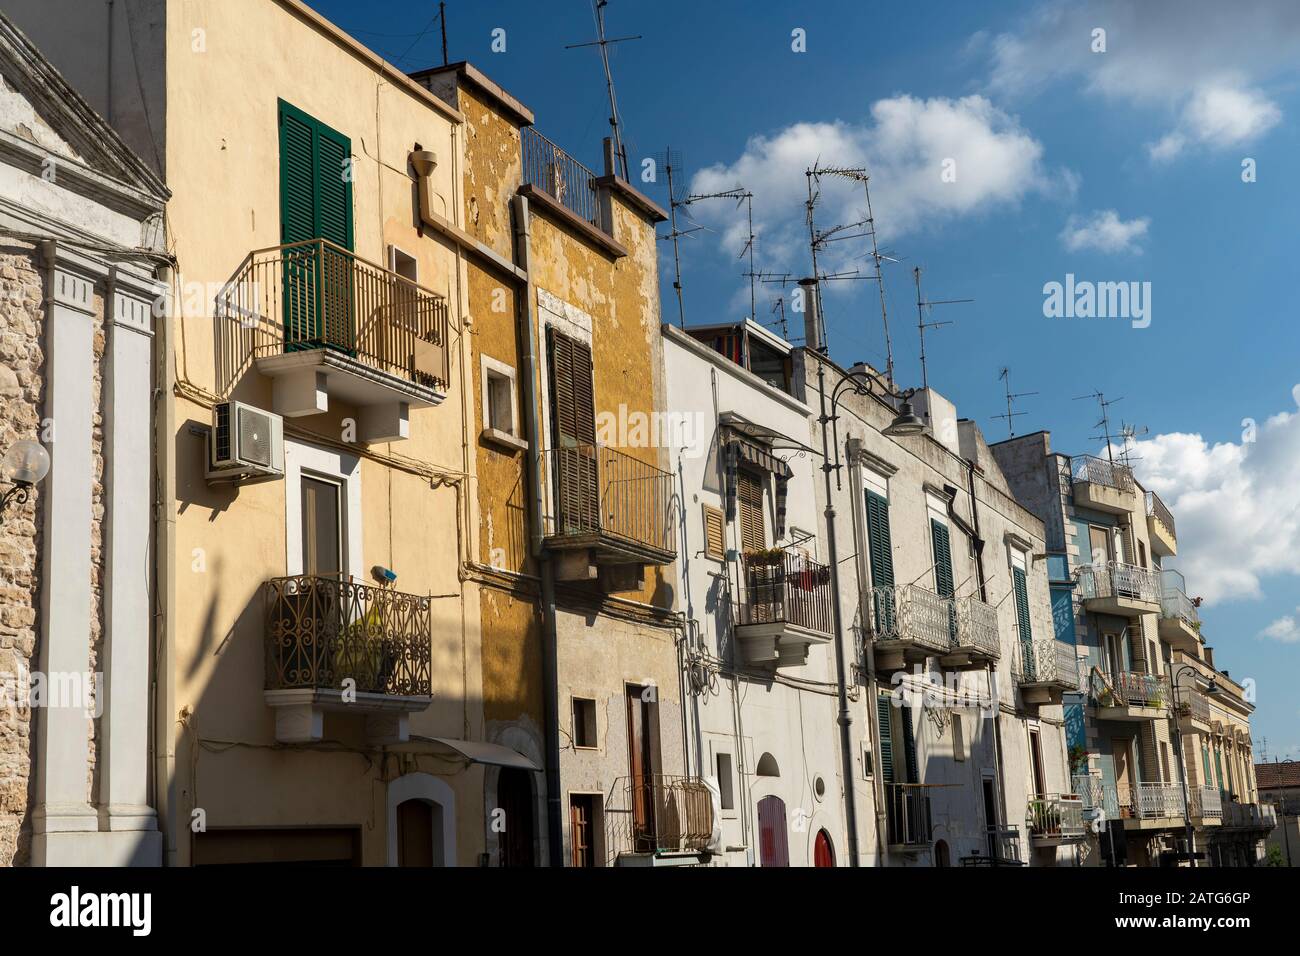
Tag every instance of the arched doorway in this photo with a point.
(515, 800)
(823, 851)
(773, 839)
(941, 858)
(419, 833)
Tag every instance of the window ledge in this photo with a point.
(498, 437)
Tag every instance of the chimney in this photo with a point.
(812, 315)
(1209, 655)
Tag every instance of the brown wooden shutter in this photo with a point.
(573, 424)
(749, 501)
(715, 534)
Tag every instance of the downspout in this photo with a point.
(550, 660)
(164, 627)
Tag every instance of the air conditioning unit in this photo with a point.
(246, 444)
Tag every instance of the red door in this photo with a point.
(823, 852)
(773, 841)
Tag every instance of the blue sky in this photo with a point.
(1114, 165)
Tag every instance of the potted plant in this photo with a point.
(764, 557)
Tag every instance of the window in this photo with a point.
(322, 528)
(958, 738)
(573, 432)
(322, 511)
(1036, 762)
(500, 404)
(749, 508)
(404, 264)
(1164, 761)
(586, 830)
(584, 722)
(1099, 542)
(726, 783)
(715, 534)
(1021, 587)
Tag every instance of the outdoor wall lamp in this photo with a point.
(906, 422)
(25, 464)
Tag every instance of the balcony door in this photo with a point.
(773, 838)
(573, 436)
(643, 763)
(316, 203)
(1036, 762)
(322, 528)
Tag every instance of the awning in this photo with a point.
(475, 751)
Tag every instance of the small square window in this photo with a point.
(584, 722)
(726, 785)
(500, 405)
(500, 414)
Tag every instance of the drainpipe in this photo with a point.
(164, 626)
(550, 661)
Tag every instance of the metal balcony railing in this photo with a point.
(1055, 816)
(1192, 703)
(559, 175)
(1118, 580)
(1151, 800)
(1174, 602)
(908, 807)
(1253, 816)
(1129, 689)
(603, 493)
(323, 631)
(1001, 848)
(911, 613)
(1204, 803)
(317, 295)
(1045, 660)
(1099, 471)
(786, 586)
(977, 626)
(657, 813)
(1156, 509)
(1096, 795)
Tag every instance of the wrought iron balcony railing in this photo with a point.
(908, 814)
(1118, 580)
(1001, 848)
(1095, 794)
(559, 175)
(323, 631)
(914, 614)
(1253, 816)
(1174, 602)
(1204, 803)
(1045, 660)
(1156, 509)
(610, 498)
(1151, 800)
(787, 587)
(1129, 689)
(317, 295)
(657, 813)
(1192, 703)
(1055, 816)
(1099, 471)
(977, 626)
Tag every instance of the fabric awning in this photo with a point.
(752, 453)
(475, 751)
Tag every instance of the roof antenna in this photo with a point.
(818, 239)
(740, 194)
(442, 19)
(1127, 434)
(1104, 424)
(921, 325)
(671, 160)
(1005, 375)
(602, 42)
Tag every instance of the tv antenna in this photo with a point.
(1128, 433)
(778, 306)
(741, 195)
(673, 160)
(604, 43)
(923, 308)
(1104, 423)
(1011, 415)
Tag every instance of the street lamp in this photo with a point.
(24, 465)
(1212, 689)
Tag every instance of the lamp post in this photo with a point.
(1211, 689)
(905, 423)
(24, 465)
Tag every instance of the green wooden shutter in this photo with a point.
(1218, 769)
(886, 739)
(1022, 620)
(909, 746)
(881, 553)
(942, 559)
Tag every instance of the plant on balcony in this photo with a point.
(1043, 817)
(764, 557)
(1183, 709)
(1078, 759)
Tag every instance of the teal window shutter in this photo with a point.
(880, 551)
(886, 739)
(1022, 604)
(943, 584)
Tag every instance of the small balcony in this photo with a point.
(1180, 622)
(1001, 848)
(909, 624)
(785, 607)
(1130, 696)
(1205, 806)
(335, 645)
(1099, 800)
(1053, 819)
(1192, 709)
(1103, 485)
(609, 511)
(1248, 816)
(1151, 805)
(324, 324)
(658, 820)
(1160, 527)
(1124, 590)
(1046, 669)
(908, 815)
(975, 641)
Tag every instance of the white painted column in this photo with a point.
(124, 794)
(62, 726)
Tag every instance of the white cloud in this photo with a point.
(906, 147)
(1104, 231)
(1285, 629)
(1200, 63)
(1236, 505)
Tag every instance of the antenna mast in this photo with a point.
(672, 159)
(1005, 375)
(740, 194)
(604, 43)
(921, 325)
(1104, 424)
